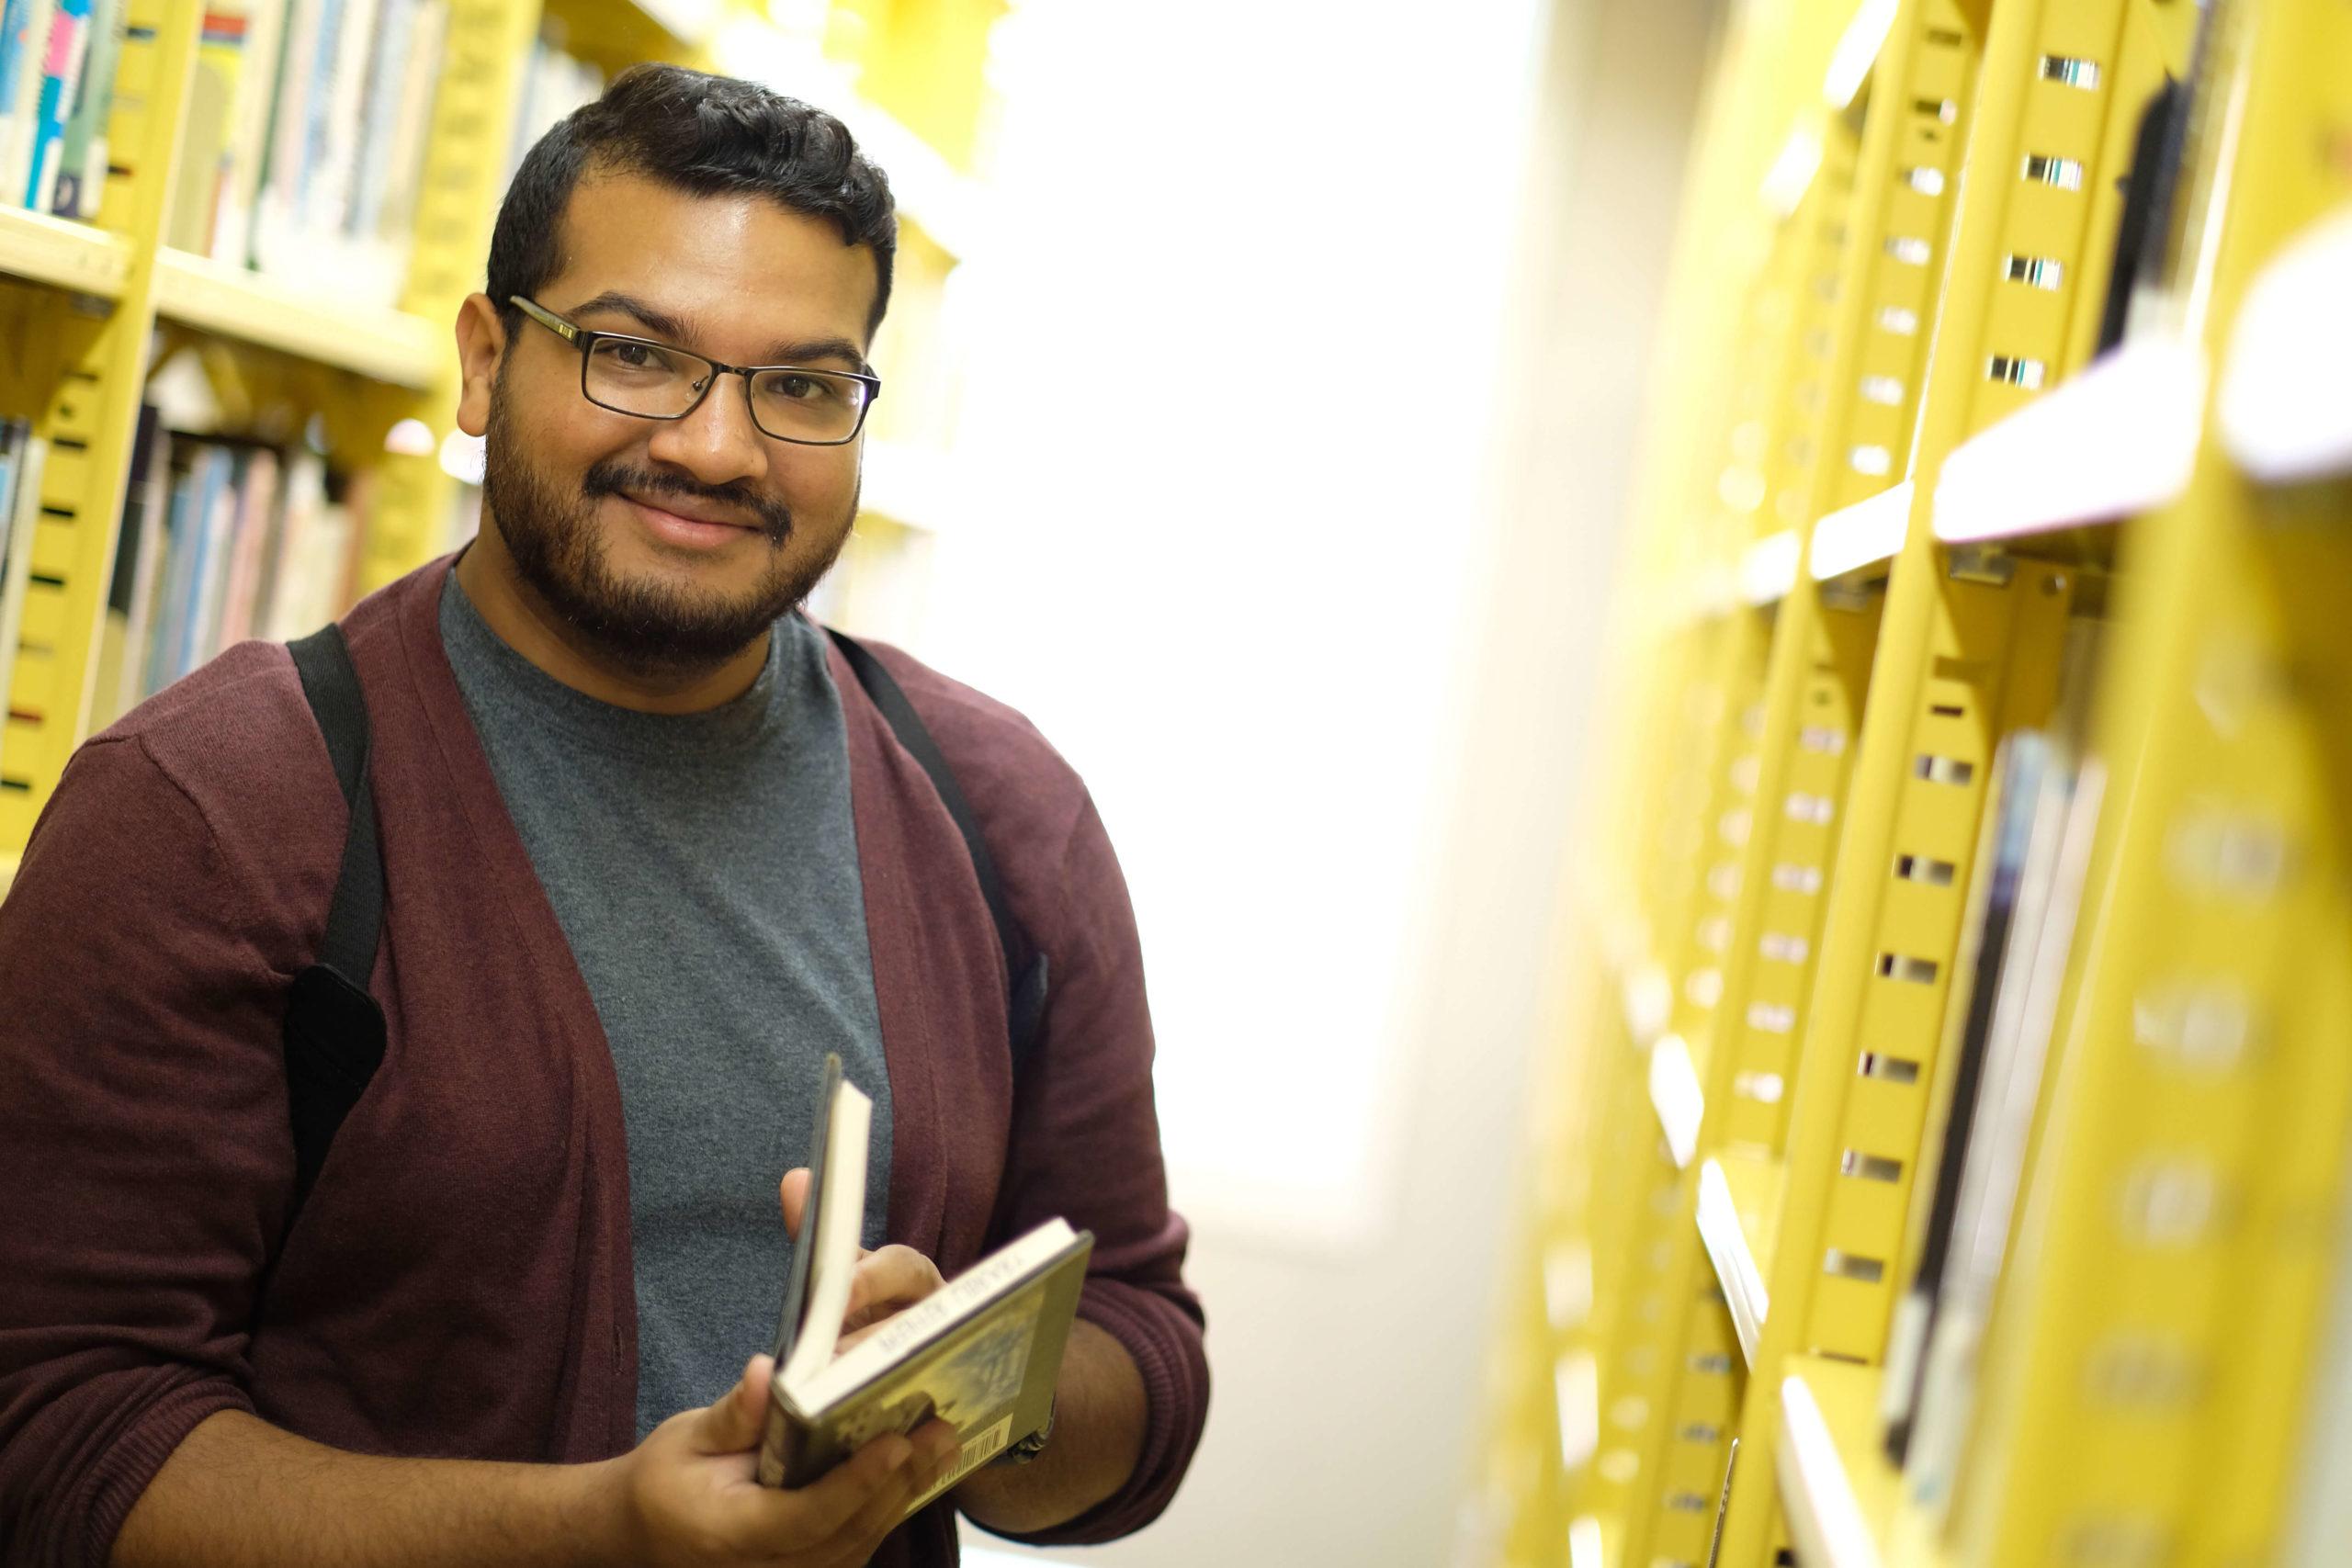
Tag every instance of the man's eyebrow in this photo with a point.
(675, 330)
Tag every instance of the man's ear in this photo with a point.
(482, 342)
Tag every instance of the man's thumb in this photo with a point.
(734, 1423)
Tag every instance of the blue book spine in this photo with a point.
(180, 545)
(13, 20)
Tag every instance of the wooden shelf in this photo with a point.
(2285, 405)
(385, 345)
(2114, 442)
(62, 253)
(1739, 1217)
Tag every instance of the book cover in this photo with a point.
(982, 1353)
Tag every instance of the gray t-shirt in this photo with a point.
(703, 867)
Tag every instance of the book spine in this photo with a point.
(24, 510)
(79, 181)
(247, 153)
(60, 72)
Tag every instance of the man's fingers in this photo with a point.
(794, 1191)
(733, 1423)
(886, 1281)
(935, 1447)
(825, 1507)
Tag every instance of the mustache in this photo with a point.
(615, 479)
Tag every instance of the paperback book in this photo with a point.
(981, 1353)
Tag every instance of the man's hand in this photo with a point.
(888, 1280)
(691, 1497)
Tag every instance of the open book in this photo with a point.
(981, 1353)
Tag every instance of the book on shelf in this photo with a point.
(22, 456)
(981, 1353)
(306, 137)
(222, 540)
(1997, 1163)
(2022, 766)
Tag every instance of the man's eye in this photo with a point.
(636, 355)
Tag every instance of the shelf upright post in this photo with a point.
(473, 120)
(89, 421)
(1968, 650)
(2155, 1342)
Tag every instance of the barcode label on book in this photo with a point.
(976, 1453)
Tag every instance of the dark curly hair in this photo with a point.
(703, 134)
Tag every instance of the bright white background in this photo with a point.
(1305, 352)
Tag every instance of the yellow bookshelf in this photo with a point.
(1859, 568)
(87, 300)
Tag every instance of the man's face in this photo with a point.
(609, 518)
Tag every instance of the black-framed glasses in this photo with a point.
(656, 380)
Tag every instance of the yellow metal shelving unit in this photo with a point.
(87, 303)
(1898, 508)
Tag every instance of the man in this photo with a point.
(650, 853)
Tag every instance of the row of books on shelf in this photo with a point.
(57, 69)
(553, 84)
(2032, 866)
(306, 130)
(221, 540)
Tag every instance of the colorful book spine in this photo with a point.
(69, 38)
(79, 184)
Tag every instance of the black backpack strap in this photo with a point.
(334, 1030)
(1025, 967)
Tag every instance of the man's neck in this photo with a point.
(528, 624)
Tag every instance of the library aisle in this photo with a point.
(1942, 1161)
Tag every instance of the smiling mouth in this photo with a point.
(685, 517)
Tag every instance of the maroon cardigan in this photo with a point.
(459, 1283)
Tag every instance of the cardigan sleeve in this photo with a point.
(1086, 1145)
(144, 1153)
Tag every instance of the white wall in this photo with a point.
(1302, 382)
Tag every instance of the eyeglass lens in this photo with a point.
(657, 383)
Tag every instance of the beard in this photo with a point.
(646, 628)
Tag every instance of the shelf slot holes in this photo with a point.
(1711, 1363)
(1942, 111)
(1869, 1167)
(1910, 250)
(1902, 967)
(1853, 1265)
(1792, 878)
(1925, 870)
(1945, 37)
(1926, 181)
(1874, 461)
(2071, 71)
(1943, 769)
(1896, 320)
(1765, 1088)
(2059, 173)
(1888, 1069)
(1771, 1018)
(1690, 1503)
(1883, 390)
(2034, 272)
(2015, 370)
(1821, 739)
(1817, 809)
(1782, 947)
(1701, 1432)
